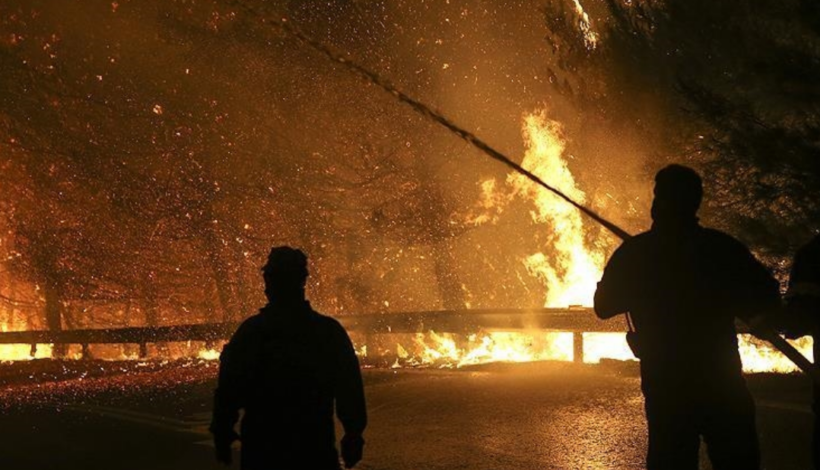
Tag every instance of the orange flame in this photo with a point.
(585, 25)
(448, 350)
(568, 268)
(759, 356)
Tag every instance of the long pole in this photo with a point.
(765, 333)
(437, 117)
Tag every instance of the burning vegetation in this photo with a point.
(143, 189)
(440, 350)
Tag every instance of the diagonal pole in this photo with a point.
(765, 333)
(427, 112)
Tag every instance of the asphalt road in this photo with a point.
(537, 416)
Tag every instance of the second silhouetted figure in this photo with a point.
(683, 285)
(286, 367)
(804, 305)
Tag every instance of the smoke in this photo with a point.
(200, 137)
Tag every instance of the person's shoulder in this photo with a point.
(326, 321)
(812, 248)
(252, 322)
(643, 237)
(250, 326)
(726, 249)
(722, 240)
(329, 325)
(635, 243)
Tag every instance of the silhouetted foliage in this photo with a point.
(730, 87)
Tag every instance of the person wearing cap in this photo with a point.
(288, 367)
(683, 286)
(803, 308)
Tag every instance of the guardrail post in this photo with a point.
(86, 353)
(143, 350)
(368, 342)
(578, 347)
(33, 351)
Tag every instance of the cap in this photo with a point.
(285, 261)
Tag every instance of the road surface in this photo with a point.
(531, 416)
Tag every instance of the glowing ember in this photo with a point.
(568, 267)
(209, 354)
(186, 350)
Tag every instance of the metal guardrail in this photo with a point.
(454, 321)
(577, 320)
(136, 335)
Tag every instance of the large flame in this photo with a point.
(446, 350)
(568, 267)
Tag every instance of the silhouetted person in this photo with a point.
(683, 286)
(285, 367)
(803, 300)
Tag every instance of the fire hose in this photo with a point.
(761, 331)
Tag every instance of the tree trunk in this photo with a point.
(151, 312)
(448, 280)
(54, 317)
(222, 274)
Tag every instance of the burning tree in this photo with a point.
(99, 214)
(144, 184)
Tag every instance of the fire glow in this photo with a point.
(568, 267)
(563, 260)
(451, 351)
(565, 263)
(446, 350)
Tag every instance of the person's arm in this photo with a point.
(805, 274)
(227, 400)
(228, 394)
(350, 402)
(803, 296)
(758, 290)
(614, 293)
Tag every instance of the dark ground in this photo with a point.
(527, 416)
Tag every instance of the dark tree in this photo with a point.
(730, 87)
